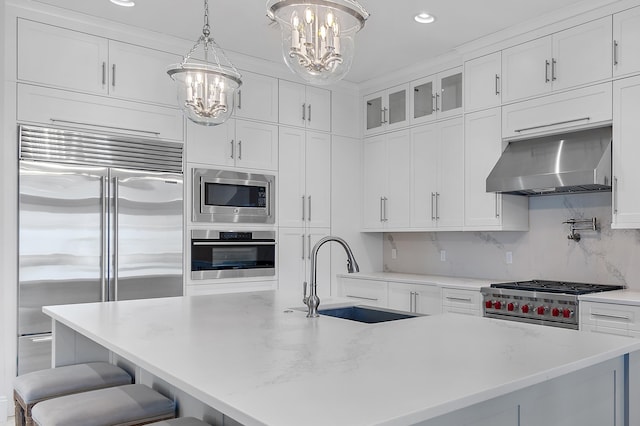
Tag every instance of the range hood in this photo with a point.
(569, 162)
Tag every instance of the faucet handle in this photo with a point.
(305, 298)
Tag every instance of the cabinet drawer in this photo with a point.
(457, 310)
(369, 292)
(580, 107)
(603, 316)
(463, 299)
(70, 109)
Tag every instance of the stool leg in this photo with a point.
(19, 413)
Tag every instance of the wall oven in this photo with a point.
(232, 197)
(232, 254)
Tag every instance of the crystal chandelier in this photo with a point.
(206, 90)
(318, 36)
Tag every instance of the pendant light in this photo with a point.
(318, 36)
(206, 90)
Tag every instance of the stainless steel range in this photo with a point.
(553, 303)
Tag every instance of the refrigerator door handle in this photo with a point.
(104, 233)
(114, 274)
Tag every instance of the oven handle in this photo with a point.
(233, 243)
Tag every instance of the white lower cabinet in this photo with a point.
(468, 302)
(418, 298)
(610, 318)
(294, 261)
(363, 291)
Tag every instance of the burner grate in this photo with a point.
(560, 287)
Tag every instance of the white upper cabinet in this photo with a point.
(488, 211)
(90, 64)
(569, 58)
(257, 98)
(304, 106)
(626, 42)
(345, 114)
(483, 82)
(626, 151)
(304, 188)
(386, 110)
(436, 97)
(437, 170)
(235, 143)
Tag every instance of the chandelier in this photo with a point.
(206, 90)
(318, 36)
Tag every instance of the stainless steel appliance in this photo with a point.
(569, 162)
(232, 254)
(101, 219)
(553, 303)
(232, 197)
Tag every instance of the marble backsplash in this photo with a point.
(606, 256)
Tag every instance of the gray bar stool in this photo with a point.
(42, 385)
(127, 405)
(182, 421)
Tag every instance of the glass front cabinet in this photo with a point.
(386, 110)
(437, 96)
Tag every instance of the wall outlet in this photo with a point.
(443, 256)
(394, 253)
(508, 257)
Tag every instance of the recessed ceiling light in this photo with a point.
(423, 18)
(125, 3)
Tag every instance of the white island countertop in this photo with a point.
(619, 297)
(249, 357)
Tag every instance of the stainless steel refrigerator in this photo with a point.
(100, 219)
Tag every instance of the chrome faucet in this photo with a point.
(313, 301)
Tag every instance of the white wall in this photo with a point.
(607, 256)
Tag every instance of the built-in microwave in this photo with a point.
(232, 254)
(232, 197)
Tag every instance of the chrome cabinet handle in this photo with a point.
(302, 246)
(304, 213)
(438, 108)
(240, 99)
(615, 193)
(360, 297)
(609, 316)
(433, 102)
(546, 71)
(497, 206)
(309, 214)
(233, 148)
(415, 301)
(309, 117)
(41, 339)
(433, 215)
(384, 115)
(497, 84)
(459, 299)
(309, 252)
(239, 150)
(113, 75)
(615, 52)
(552, 124)
(553, 69)
(411, 301)
(386, 218)
(437, 206)
(304, 112)
(381, 209)
(104, 73)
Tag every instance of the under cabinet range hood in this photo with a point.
(570, 162)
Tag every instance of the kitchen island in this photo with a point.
(250, 358)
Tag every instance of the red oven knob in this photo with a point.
(555, 312)
(497, 304)
(525, 309)
(512, 307)
(488, 304)
(567, 313)
(541, 310)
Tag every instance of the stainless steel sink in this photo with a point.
(366, 314)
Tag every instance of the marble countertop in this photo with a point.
(251, 357)
(441, 280)
(621, 297)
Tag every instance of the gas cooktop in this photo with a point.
(557, 287)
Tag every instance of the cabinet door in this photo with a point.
(292, 109)
(424, 175)
(374, 105)
(211, 145)
(626, 151)
(450, 194)
(397, 204)
(526, 69)
(292, 258)
(482, 82)
(345, 113)
(401, 297)
(318, 179)
(366, 292)
(374, 159)
(139, 74)
(626, 39)
(449, 94)
(257, 145)
(482, 148)
(62, 58)
(423, 101)
(291, 178)
(428, 300)
(257, 98)
(582, 54)
(318, 103)
(397, 113)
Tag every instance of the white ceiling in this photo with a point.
(391, 39)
